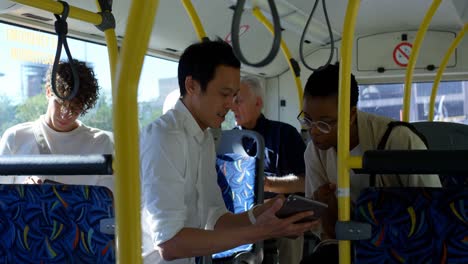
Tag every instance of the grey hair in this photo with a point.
(255, 84)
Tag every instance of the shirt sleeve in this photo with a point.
(293, 151)
(162, 179)
(403, 138)
(316, 174)
(5, 149)
(107, 146)
(6, 142)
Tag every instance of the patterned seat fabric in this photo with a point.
(236, 178)
(413, 225)
(55, 224)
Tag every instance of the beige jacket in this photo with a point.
(321, 165)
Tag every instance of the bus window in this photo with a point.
(387, 100)
(159, 91)
(26, 56)
(158, 87)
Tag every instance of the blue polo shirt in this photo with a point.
(284, 148)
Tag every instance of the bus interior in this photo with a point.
(409, 58)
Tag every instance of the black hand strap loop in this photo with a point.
(61, 28)
(236, 19)
(304, 33)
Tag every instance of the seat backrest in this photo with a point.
(240, 178)
(413, 225)
(51, 223)
(445, 136)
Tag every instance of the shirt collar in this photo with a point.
(260, 125)
(190, 123)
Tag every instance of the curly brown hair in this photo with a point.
(88, 92)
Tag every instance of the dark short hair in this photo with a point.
(88, 91)
(325, 82)
(200, 60)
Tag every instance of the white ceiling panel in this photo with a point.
(173, 29)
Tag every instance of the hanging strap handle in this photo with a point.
(61, 28)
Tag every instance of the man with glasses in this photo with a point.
(319, 116)
(284, 157)
(59, 131)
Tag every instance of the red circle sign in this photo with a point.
(242, 29)
(401, 53)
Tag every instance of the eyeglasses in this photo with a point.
(67, 109)
(322, 126)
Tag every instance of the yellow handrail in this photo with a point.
(113, 52)
(135, 44)
(414, 56)
(197, 25)
(441, 70)
(82, 15)
(57, 8)
(344, 160)
(112, 49)
(287, 54)
(355, 162)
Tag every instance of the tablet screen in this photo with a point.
(295, 204)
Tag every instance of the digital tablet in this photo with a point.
(295, 204)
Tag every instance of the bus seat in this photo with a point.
(445, 136)
(413, 225)
(240, 178)
(51, 223)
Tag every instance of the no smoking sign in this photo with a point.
(401, 53)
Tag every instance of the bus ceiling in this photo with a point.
(382, 26)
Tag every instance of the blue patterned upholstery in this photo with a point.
(55, 224)
(236, 178)
(413, 225)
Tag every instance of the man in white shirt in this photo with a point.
(183, 213)
(59, 131)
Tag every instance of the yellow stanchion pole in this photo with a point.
(414, 56)
(127, 173)
(441, 70)
(343, 124)
(287, 54)
(197, 25)
(112, 49)
(113, 52)
(57, 8)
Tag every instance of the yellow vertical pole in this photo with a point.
(343, 124)
(441, 70)
(197, 25)
(287, 54)
(135, 44)
(112, 49)
(113, 52)
(414, 56)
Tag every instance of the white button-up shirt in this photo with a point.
(179, 182)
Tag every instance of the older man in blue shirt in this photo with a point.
(284, 154)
